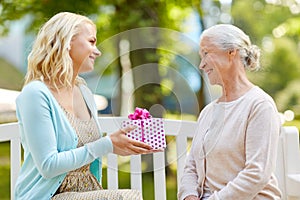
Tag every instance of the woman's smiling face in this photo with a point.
(83, 49)
(214, 61)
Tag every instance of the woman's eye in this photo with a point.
(204, 54)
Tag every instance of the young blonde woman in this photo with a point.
(57, 115)
(233, 153)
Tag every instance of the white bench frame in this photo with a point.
(288, 163)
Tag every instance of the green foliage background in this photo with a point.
(279, 76)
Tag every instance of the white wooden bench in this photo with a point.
(288, 170)
(288, 163)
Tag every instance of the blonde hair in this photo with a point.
(229, 37)
(49, 59)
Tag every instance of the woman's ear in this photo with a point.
(232, 52)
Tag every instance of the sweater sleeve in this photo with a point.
(103, 145)
(189, 181)
(260, 151)
(39, 135)
(100, 147)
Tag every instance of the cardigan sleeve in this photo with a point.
(260, 150)
(104, 145)
(40, 135)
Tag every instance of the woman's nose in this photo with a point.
(202, 64)
(97, 52)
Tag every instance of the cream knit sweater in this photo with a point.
(233, 154)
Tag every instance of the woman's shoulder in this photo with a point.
(207, 109)
(34, 89)
(259, 96)
(34, 86)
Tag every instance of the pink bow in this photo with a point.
(139, 113)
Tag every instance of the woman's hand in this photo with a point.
(191, 197)
(125, 146)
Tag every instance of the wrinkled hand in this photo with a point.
(191, 197)
(125, 146)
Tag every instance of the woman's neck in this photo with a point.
(234, 89)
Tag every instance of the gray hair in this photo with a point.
(229, 37)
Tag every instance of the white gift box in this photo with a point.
(151, 131)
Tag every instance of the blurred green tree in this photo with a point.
(121, 16)
(282, 66)
(273, 28)
(289, 98)
(10, 77)
(41, 11)
(112, 18)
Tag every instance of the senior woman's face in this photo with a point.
(83, 49)
(213, 61)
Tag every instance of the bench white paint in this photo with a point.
(288, 163)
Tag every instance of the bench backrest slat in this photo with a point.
(10, 132)
(112, 171)
(159, 176)
(136, 172)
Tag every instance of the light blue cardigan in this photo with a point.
(49, 143)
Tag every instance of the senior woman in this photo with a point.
(233, 153)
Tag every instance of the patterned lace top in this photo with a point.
(81, 180)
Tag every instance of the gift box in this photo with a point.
(149, 130)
